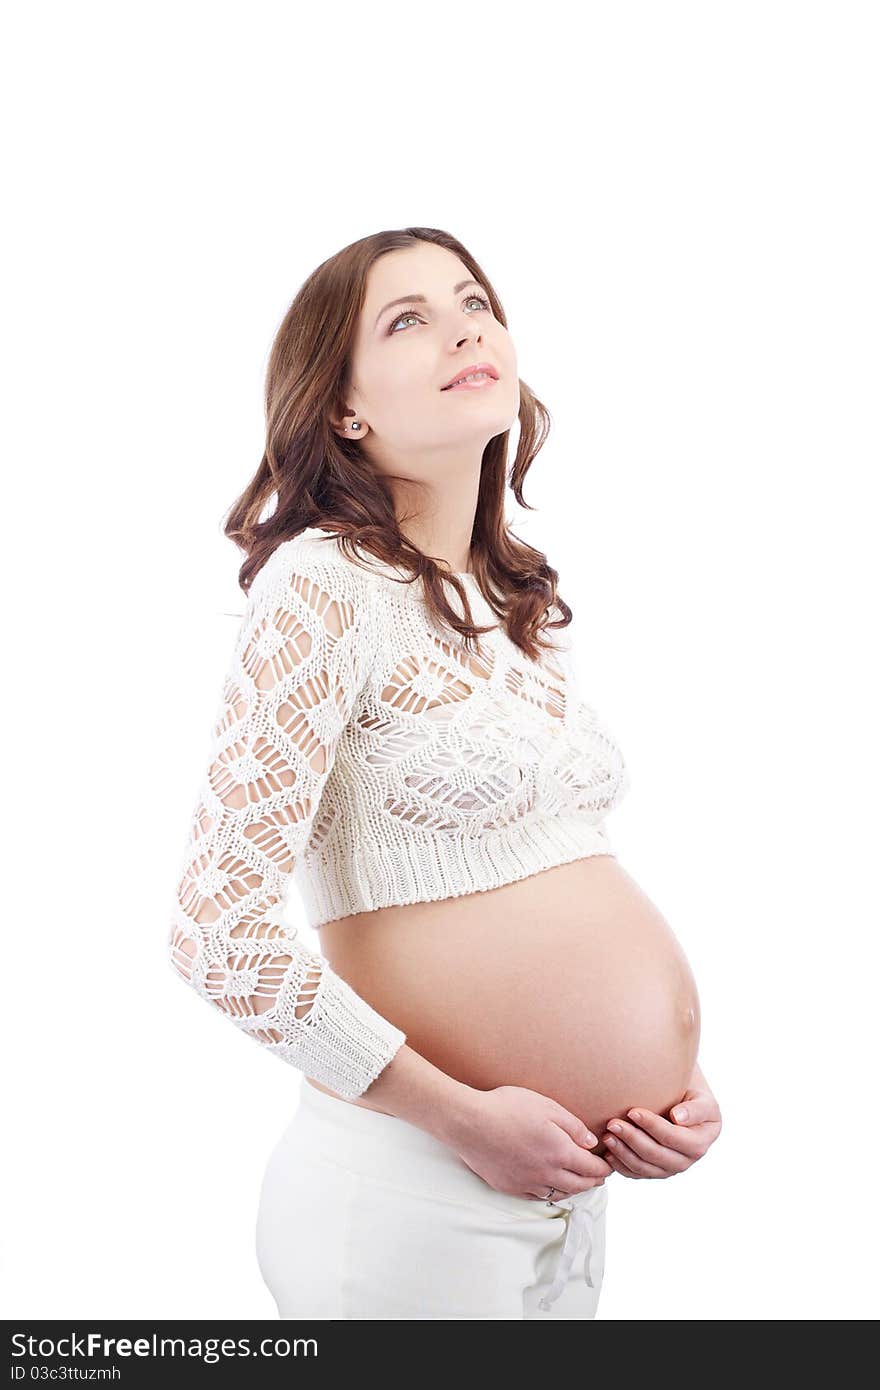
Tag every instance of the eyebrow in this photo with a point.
(420, 298)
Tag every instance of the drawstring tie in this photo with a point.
(578, 1234)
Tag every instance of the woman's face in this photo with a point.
(404, 354)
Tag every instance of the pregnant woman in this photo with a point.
(498, 1020)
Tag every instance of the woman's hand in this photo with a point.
(646, 1145)
(522, 1142)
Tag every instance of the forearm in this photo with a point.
(414, 1089)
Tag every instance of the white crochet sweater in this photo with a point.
(360, 752)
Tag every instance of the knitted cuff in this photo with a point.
(345, 1043)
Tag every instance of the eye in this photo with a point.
(411, 313)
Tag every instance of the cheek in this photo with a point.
(402, 378)
(506, 356)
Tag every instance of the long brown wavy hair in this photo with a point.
(319, 479)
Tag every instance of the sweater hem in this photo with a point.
(330, 890)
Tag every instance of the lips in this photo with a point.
(466, 371)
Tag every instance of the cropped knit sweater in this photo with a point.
(360, 752)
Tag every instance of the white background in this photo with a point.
(678, 204)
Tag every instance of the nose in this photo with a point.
(473, 335)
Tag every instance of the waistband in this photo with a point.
(391, 1149)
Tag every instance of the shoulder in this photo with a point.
(358, 575)
(309, 595)
(311, 578)
(315, 556)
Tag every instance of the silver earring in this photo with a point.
(356, 424)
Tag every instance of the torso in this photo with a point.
(569, 982)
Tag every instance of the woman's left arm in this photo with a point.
(646, 1145)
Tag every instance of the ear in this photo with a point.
(344, 426)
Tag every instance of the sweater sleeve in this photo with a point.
(300, 658)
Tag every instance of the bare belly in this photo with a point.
(569, 982)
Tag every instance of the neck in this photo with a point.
(440, 524)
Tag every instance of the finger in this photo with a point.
(576, 1130)
(584, 1167)
(571, 1179)
(572, 1184)
(699, 1107)
(578, 1182)
(636, 1166)
(673, 1160)
(663, 1131)
(621, 1168)
(635, 1139)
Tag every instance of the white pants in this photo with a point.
(364, 1215)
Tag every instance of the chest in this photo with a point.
(453, 740)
